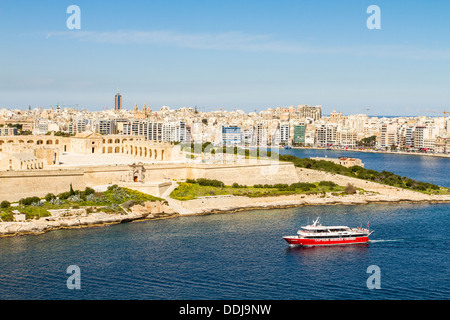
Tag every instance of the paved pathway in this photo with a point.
(172, 202)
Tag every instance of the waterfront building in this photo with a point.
(301, 125)
(408, 137)
(343, 161)
(326, 135)
(299, 133)
(389, 135)
(346, 138)
(418, 137)
(259, 135)
(284, 133)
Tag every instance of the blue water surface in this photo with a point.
(242, 255)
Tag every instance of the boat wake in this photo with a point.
(394, 240)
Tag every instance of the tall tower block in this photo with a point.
(118, 102)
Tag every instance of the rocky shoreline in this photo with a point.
(206, 206)
(237, 204)
(36, 227)
(74, 220)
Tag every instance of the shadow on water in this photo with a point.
(326, 250)
(318, 255)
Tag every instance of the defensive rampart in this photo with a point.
(15, 185)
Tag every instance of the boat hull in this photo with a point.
(297, 241)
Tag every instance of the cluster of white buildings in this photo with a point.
(294, 126)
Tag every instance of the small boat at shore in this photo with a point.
(318, 235)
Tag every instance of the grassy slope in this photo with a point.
(383, 177)
(190, 191)
(107, 201)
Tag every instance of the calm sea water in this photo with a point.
(240, 256)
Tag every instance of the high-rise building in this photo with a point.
(118, 102)
(259, 135)
(40, 126)
(174, 131)
(231, 135)
(389, 136)
(418, 137)
(326, 135)
(299, 133)
(284, 133)
(305, 111)
(106, 126)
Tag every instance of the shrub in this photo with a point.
(7, 216)
(5, 204)
(49, 197)
(29, 201)
(90, 197)
(37, 204)
(350, 189)
(89, 191)
(384, 177)
(207, 182)
(57, 202)
(75, 198)
(434, 187)
(330, 184)
(64, 195)
(113, 187)
(304, 186)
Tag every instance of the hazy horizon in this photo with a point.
(248, 55)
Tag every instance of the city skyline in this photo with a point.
(227, 55)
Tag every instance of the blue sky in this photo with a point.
(213, 54)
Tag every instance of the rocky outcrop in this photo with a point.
(79, 218)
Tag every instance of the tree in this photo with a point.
(350, 189)
(5, 204)
(71, 191)
(49, 197)
(367, 142)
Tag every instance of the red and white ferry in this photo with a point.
(318, 235)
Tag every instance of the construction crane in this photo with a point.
(445, 120)
(433, 111)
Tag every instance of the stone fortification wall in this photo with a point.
(17, 185)
(265, 173)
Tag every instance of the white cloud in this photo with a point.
(239, 41)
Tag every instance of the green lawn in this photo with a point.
(190, 191)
